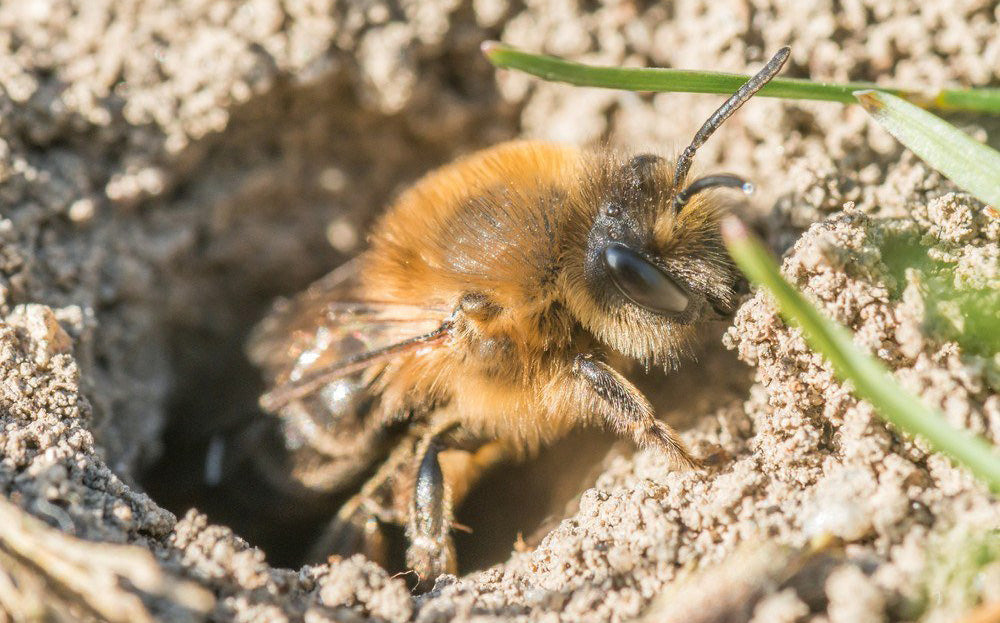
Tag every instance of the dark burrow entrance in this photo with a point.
(259, 205)
(283, 196)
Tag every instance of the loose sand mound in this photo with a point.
(166, 169)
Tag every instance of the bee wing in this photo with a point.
(331, 331)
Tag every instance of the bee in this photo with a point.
(498, 305)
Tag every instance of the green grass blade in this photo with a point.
(681, 80)
(871, 380)
(970, 164)
(971, 100)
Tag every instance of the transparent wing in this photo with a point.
(331, 331)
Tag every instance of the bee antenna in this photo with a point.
(723, 180)
(725, 111)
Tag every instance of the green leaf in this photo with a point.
(970, 164)
(681, 80)
(871, 380)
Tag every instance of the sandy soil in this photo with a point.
(167, 169)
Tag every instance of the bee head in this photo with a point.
(654, 263)
(651, 271)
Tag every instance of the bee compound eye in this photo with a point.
(642, 282)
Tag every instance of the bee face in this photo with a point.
(649, 271)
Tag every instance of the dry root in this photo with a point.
(48, 575)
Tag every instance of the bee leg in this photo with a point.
(431, 552)
(463, 468)
(627, 411)
(356, 527)
(355, 530)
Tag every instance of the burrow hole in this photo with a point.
(297, 170)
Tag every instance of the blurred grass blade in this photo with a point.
(681, 80)
(871, 380)
(972, 165)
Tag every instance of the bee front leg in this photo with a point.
(627, 411)
(431, 552)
